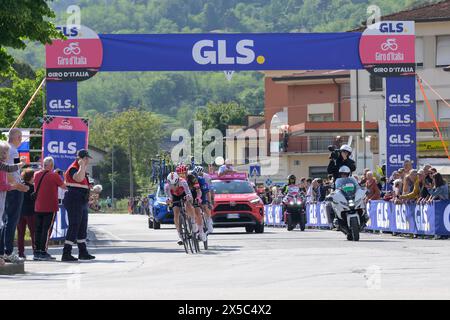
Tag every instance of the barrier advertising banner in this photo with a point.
(63, 137)
(60, 225)
(427, 219)
(316, 215)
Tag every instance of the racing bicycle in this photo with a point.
(190, 241)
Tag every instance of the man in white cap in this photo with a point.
(226, 168)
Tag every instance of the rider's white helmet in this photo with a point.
(347, 148)
(344, 169)
(173, 178)
(197, 170)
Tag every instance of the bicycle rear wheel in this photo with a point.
(205, 230)
(184, 232)
(194, 239)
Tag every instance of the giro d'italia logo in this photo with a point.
(388, 48)
(75, 59)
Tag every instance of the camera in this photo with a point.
(335, 152)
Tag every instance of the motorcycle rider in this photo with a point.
(290, 185)
(289, 189)
(341, 158)
(344, 179)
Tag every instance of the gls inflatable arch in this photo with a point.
(385, 49)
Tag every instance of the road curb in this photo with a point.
(11, 269)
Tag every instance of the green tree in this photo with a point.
(121, 173)
(22, 20)
(137, 132)
(221, 115)
(14, 97)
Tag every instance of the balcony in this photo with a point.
(310, 144)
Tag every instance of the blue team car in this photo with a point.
(159, 213)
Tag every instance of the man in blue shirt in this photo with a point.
(226, 168)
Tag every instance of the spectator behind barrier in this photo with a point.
(27, 214)
(411, 187)
(440, 190)
(373, 192)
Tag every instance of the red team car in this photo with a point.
(236, 203)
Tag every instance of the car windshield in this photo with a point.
(347, 185)
(161, 193)
(232, 187)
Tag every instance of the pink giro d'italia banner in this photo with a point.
(63, 137)
(387, 48)
(75, 59)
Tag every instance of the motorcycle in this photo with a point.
(295, 211)
(348, 204)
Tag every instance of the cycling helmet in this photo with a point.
(344, 169)
(173, 178)
(181, 169)
(347, 148)
(291, 177)
(197, 170)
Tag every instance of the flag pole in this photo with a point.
(24, 111)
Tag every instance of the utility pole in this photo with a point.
(112, 176)
(363, 128)
(131, 169)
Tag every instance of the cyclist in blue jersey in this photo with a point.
(207, 194)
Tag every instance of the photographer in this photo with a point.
(339, 158)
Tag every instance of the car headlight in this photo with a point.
(255, 201)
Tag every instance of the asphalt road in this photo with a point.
(134, 262)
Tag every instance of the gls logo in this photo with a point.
(398, 98)
(398, 158)
(60, 104)
(59, 147)
(208, 52)
(399, 138)
(400, 119)
(391, 27)
(72, 32)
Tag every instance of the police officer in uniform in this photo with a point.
(76, 203)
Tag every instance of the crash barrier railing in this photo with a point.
(420, 219)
